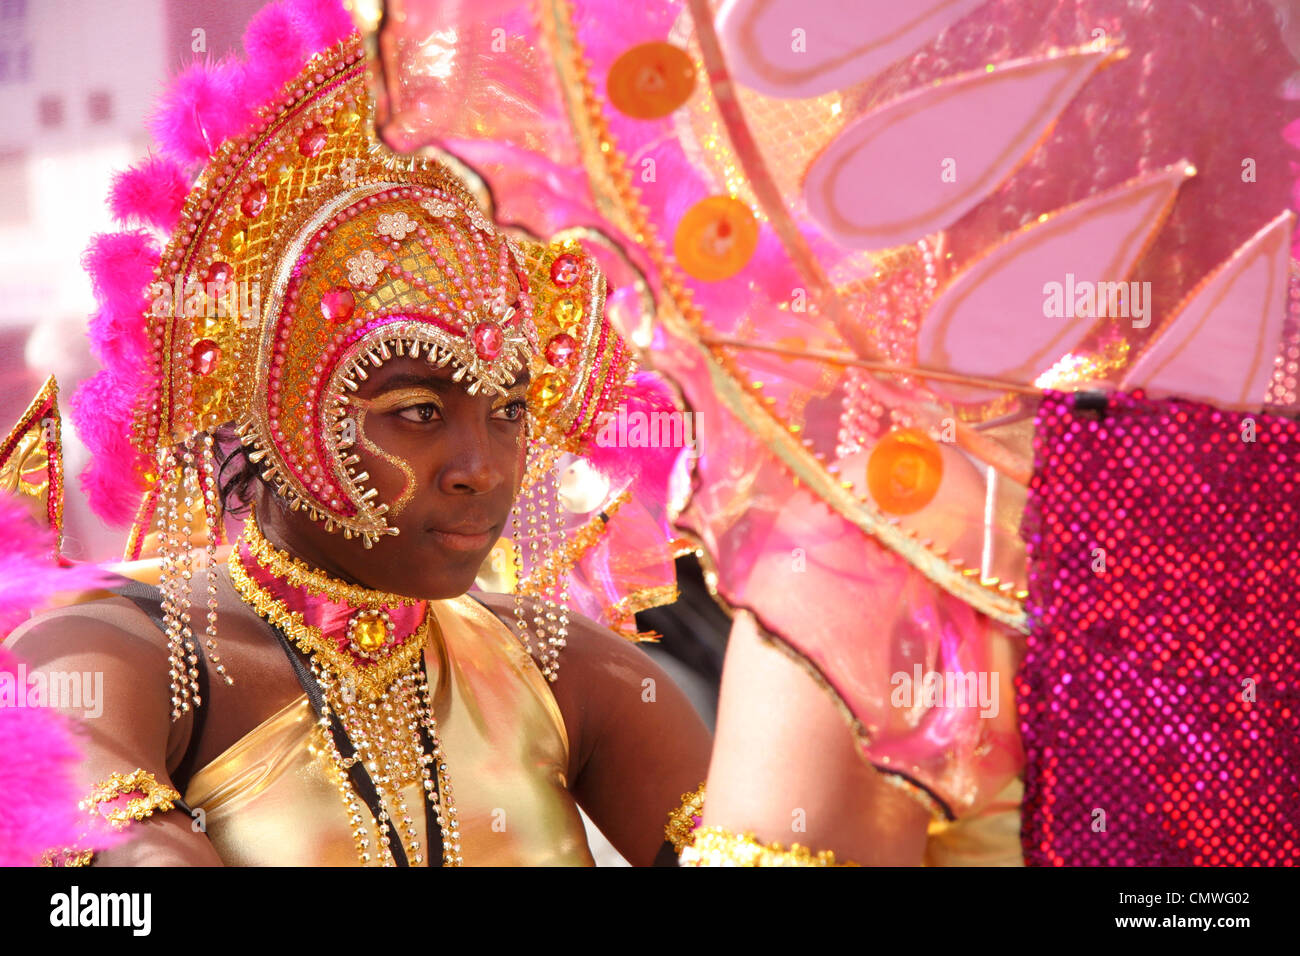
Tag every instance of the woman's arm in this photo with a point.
(635, 742)
(124, 723)
(786, 767)
(638, 743)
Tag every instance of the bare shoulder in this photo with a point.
(104, 665)
(594, 658)
(605, 685)
(111, 627)
(108, 650)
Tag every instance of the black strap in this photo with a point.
(148, 599)
(361, 782)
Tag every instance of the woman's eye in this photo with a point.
(515, 411)
(419, 413)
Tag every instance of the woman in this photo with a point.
(404, 383)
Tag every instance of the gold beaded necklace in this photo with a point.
(373, 691)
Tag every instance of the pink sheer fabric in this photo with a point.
(888, 643)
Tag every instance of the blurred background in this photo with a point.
(78, 80)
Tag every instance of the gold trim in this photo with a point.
(52, 493)
(680, 831)
(301, 575)
(644, 599)
(370, 682)
(154, 797)
(718, 846)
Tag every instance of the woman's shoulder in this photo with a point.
(588, 643)
(104, 625)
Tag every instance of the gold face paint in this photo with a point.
(401, 464)
(402, 398)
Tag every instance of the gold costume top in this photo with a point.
(271, 799)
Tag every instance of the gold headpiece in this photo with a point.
(306, 253)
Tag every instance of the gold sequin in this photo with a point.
(716, 846)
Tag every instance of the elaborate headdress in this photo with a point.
(303, 254)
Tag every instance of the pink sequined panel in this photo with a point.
(1158, 696)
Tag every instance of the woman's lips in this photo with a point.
(464, 540)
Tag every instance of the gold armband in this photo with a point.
(717, 846)
(683, 821)
(147, 796)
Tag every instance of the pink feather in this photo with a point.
(645, 395)
(29, 574)
(204, 106)
(117, 339)
(322, 23)
(121, 266)
(101, 411)
(37, 747)
(275, 48)
(37, 754)
(151, 193)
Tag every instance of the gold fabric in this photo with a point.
(990, 837)
(271, 799)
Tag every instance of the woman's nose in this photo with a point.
(474, 465)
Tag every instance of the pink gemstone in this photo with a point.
(337, 304)
(313, 140)
(560, 349)
(565, 270)
(487, 340)
(218, 273)
(205, 356)
(255, 201)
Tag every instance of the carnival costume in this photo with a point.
(304, 256)
(835, 224)
(834, 227)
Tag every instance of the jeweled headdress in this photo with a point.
(304, 253)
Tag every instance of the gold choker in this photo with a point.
(300, 574)
(381, 700)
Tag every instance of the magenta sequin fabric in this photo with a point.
(1158, 696)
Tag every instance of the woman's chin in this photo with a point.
(450, 584)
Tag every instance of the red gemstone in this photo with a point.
(487, 340)
(560, 349)
(313, 140)
(218, 273)
(565, 270)
(255, 200)
(206, 354)
(337, 304)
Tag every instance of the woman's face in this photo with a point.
(448, 465)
